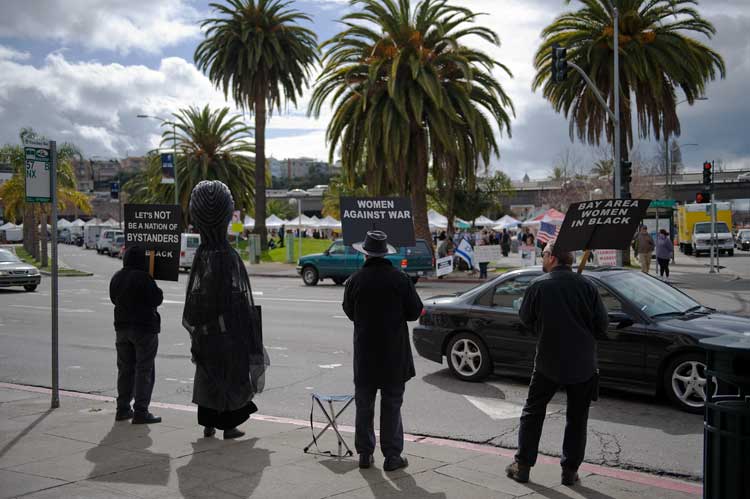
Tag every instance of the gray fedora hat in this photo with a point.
(375, 244)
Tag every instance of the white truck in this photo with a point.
(91, 235)
(701, 238)
(107, 239)
(188, 245)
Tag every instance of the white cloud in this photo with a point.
(145, 25)
(9, 53)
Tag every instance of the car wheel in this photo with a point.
(685, 382)
(30, 287)
(310, 275)
(338, 281)
(415, 280)
(468, 357)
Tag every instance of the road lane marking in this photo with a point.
(329, 366)
(71, 310)
(620, 474)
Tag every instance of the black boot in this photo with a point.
(209, 431)
(145, 418)
(233, 433)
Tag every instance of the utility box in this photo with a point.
(726, 437)
(253, 248)
(289, 245)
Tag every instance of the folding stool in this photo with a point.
(331, 415)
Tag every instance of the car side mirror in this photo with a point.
(327, 253)
(622, 319)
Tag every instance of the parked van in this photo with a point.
(188, 245)
(107, 239)
(91, 235)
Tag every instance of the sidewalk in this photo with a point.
(78, 450)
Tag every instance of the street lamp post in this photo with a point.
(296, 197)
(174, 147)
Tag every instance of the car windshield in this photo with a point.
(7, 256)
(705, 228)
(744, 234)
(651, 296)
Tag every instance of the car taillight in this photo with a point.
(404, 263)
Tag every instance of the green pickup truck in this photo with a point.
(339, 262)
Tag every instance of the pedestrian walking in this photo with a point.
(664, 253)
(380, 299)
(566, 313)
(644, 248)
(224, 325)
(137, 324)
(483, 241)
(505, 242)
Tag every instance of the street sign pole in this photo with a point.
(55, 354)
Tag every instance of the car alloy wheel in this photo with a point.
(688, 384)
(468, 358)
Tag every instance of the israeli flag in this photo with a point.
(466, 252)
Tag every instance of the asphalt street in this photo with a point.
(308, 338)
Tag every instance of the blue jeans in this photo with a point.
(136, 371)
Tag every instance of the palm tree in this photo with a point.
(256, 50)
(602, 168)
(13, 194)
(405, 90)
(657, 56)
(211, 145)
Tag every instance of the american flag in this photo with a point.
(547, 232)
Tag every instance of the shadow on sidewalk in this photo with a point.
(104, 458)
(579, 489)
(24, 432)
(402, 486)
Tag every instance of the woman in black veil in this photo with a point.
(224, 325)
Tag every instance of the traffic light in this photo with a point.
(626, 174)
(114, 190)
(707, 173)
(559, 64)
(703, 197)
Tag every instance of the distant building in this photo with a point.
(297, 167)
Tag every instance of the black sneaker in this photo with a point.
(569, 477)
(124, 415)
(394, 463)
(518, 472)
(365, 461)
(145, 418)
(233, 433)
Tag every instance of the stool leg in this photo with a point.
(333, 424)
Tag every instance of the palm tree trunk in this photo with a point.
(419, 188)
(260, 169)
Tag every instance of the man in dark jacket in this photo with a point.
(137, 324)
(567, 314)
(380, 299)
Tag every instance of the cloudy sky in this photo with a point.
(81, 70)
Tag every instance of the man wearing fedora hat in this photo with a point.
(380, 299)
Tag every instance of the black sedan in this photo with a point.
(651, 346)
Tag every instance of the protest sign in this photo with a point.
(487, 253)
(444, 266)
(528, 255)
(167, 168)
(391, 215)
(155, 227)
(606, 257)
(601, 224)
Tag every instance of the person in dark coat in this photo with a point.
(505, 242)
(380, 299)
(137, 324)
(224, 325)
(567, 314)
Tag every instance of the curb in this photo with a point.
(643, 478)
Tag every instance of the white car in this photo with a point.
(743, 177)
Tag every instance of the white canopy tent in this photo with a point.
(248, 222)
(63, 223)
(483, 221)
(436, 220)
(506, 222)
(330, 223)
(93, 221)
(274, 222)
(112, 222)
(7, 226)
(296, 222)
(78, 223)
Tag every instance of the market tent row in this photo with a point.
(506, 222)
